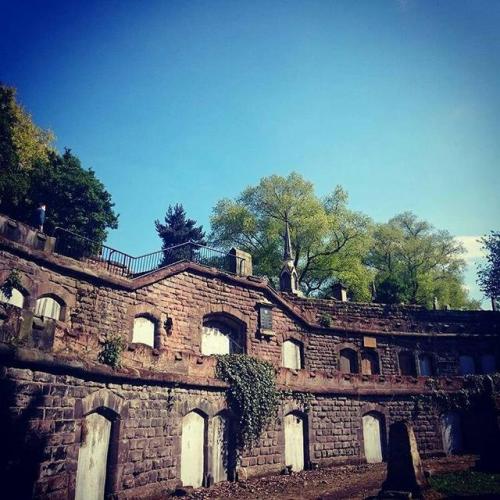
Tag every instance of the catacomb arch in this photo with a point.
(296, 440)
(222, 334)
(374, 436)
(50, 306)
(193, 448)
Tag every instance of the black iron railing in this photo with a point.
(81, 248)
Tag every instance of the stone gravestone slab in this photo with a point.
(405, 473)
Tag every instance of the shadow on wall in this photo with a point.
(22, 446)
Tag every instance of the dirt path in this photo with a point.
(354, 482)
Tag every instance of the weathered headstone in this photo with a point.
(405, 473)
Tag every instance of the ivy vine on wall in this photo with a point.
(252, 395)
(477, 390)
(13, 281)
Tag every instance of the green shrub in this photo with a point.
(111, 351)
(325, 320)
(12, 281)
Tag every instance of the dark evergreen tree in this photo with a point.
(176, 230)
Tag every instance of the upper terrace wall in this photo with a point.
(97, 303)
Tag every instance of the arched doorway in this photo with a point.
(452, 433)
(93, 458)
(193, 449)
(373, 433)
(223, 449)
(294, 441)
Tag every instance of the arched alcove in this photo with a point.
(295, 430)
(193, 441)
(374, 436)
(222, 334)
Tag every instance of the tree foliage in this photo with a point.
(415, 263)
(178, 229)
(489, 274)
(31, 171)
(328, 239)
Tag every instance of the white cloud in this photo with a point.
(472, 246)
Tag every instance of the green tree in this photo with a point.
(328, 240)
(178, 229)
(415, 263)
(22, 146)
(31, 171)
(489, 274)
(76, 199)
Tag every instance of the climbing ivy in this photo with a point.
(252, 395)
(475, 391)
(302, 398)
(325, 320)
(13, 281)
(111, 351)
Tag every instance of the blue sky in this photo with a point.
(191, 101)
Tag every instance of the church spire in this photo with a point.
(288, 253)
(289, 280)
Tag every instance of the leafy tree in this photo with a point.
(31, 171)
(76, 199)
(328, 239)
(178, 229)
(22, 146)
(489, 274)
(415, 263)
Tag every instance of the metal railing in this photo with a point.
(79, 247)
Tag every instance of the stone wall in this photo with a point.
(42, 425)
(50, 378)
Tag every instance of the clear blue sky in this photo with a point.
(191, 101)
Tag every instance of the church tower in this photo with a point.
(289, 279)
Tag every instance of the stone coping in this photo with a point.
(193, 373)
(67, 265)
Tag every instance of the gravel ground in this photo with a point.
(340, 482)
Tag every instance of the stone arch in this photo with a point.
(52, 306)
(151, 313)
(374, 435)
(296, 439)
(100, 415)
(194, 448)
(222, 442)
(201, 405)
(27, 285)
(222, 331)
(49, 289)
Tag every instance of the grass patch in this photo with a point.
(466, 483)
